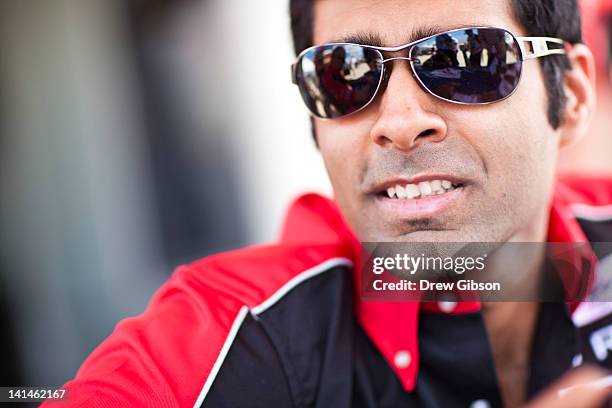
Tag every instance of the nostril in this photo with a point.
(383, 140)
(428, 132)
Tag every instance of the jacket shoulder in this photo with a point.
(169, 355)
(588, 190)
(254, 275)
(589, 200)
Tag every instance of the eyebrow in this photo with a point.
(376, 39)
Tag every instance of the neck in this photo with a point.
(511, 340)
(511, 337)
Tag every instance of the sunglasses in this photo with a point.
(467, 66)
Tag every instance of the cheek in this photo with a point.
(518, 148)
(513, 137)
(528, 144)
(344, 146)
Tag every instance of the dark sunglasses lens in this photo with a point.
(473, 66)
(337, 80)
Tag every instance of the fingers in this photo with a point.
(586, 387)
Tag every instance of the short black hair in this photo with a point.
(548, 18)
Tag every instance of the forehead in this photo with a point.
(395, 21)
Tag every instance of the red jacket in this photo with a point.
(171, 355)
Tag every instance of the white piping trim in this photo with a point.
(592, 212)
(222, 354)
(296, 280)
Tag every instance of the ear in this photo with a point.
(580, 91)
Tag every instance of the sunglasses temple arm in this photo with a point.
(536, 47)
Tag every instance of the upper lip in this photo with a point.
(402, 180)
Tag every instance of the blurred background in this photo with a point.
(136, 135)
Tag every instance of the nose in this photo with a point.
(404, 119)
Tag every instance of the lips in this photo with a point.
(421, 190)
(420, 197)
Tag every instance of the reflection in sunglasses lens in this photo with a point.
(469, 66)
(337, 80)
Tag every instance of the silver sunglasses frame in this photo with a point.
(529, 48)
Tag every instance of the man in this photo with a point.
(430, 153)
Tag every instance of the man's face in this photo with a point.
(500, 156)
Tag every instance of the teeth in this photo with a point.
(400, 191)
(437, 188)
(412, 191)
(423, 189)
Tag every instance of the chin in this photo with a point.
(431, 236)
(412, 236)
